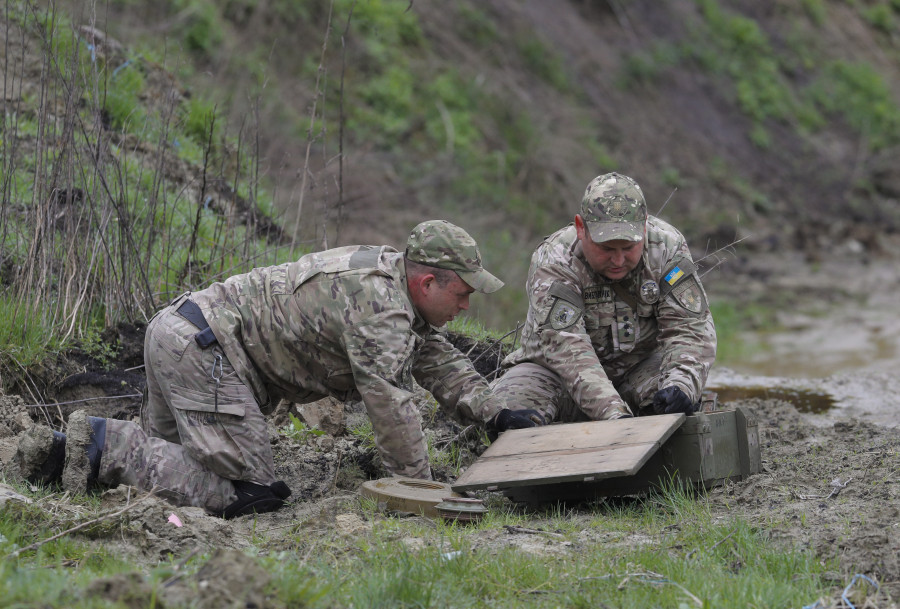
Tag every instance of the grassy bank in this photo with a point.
(119, 189)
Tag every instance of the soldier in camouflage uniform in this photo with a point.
(351, 322)
(618, 323)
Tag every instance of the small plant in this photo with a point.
(447, 456)
(93, 343)
(298, 431)
(24, 337)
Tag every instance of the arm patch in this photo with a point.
(689, 295)
(567, 307)
(563, 314)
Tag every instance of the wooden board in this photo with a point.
(570, 452)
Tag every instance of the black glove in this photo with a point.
(671, 400)
(516, 419)
(256, 498)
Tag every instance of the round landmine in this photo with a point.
(461, 509)
(408, 494)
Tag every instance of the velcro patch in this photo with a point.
(598, 294)
(674, 275)
(690, 295)
(563, 314)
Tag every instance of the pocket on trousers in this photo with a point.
(231, 399)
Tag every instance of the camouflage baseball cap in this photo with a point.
(613, 207)
(446, 246)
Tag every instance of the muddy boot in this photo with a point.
(256, 498)
(41, 455)
(84, 448)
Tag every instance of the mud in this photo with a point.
(835, 317)
(31, 452)
(77, 471)
(229, 579)
(832, 489)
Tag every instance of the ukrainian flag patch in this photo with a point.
(674, 275)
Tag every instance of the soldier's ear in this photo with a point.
(580, 228)
(427, 281)
(421, 285)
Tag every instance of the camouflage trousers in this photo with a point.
(533, 386)
(200, 427)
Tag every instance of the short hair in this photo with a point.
(416, 269)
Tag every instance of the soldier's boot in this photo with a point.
(84, 449)
(40, 455)
(256, 498)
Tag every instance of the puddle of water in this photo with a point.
(802, 399)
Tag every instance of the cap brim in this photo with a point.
(481, 281)
(601, 232)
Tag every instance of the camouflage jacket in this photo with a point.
(341, 323)
(590, 331)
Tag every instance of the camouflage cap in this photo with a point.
(613, 207)
(446, 246)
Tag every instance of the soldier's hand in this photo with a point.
(516, 419)
(671, 400)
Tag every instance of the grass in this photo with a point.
(474, 328)
(25, 337)
(664, 550)
(760, 72)
(131, 195)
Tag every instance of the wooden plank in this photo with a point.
(580, 452)
(587, 435)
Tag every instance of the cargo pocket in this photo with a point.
(231, 399)
(214, 439)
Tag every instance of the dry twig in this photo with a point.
(518, 529)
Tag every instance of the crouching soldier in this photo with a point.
(618, 323)
(352, 322)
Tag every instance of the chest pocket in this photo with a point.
(600, 319)
(613, 325)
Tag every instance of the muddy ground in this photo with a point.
(830, 447)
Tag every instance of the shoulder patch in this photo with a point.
(649, 292)
(561, 290)
(674, 275)
(563, 314)
(366, 257)
(690, 295)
